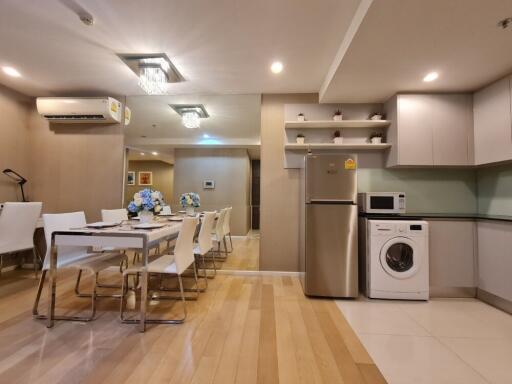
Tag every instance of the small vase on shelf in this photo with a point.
(300, 139)
(301, 117)
(337, 116)
(146, 216)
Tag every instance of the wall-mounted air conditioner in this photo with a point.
(80, 109)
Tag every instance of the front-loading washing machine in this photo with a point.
(397, 260)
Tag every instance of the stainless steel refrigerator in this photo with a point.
(328, 241)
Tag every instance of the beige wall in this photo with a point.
(75, 167)
(279, 221)
(163, 176)
(229, 168)
(14, 109)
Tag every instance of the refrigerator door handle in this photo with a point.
(331, 201)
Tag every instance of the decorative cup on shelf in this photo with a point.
(338, 139)
(376, 116)
(301, 117)
(300, 139)
(376, 138)
(337, 116)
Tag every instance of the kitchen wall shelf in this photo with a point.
(308, 124)
(363, 146)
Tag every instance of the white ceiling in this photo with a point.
(400, 41)
(221, 46)
(234, 119)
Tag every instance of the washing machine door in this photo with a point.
(400, 258)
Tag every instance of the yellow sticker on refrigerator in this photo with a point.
(350, 164)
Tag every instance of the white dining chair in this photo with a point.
(75, 257)
(169, 265)
(218, 236)
(227, 229)
(205, 244)
(17, 225)
(114, 215)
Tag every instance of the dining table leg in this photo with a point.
(52, 285)
(144, 289)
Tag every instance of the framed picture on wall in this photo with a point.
(130, 178)
(208, 184)
(145, 178)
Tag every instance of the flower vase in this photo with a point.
(190, 211)
(146, 216)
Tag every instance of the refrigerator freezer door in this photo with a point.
(331, 178)
(331, 250)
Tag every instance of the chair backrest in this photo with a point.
(205, 238)
(219, 227)
(62, 222)
(17, 225)
(166, 210)
(184, 249)
(227, 220)
(114, 215)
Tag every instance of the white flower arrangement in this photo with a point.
(146, 200)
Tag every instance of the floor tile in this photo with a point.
(456, 318)
(418, 360)
(379, 317)
(492, 358)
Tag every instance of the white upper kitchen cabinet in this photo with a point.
(430, 130)
(493, 122)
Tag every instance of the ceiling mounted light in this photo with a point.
(154, 153)
(190, 114)
(191, 119)
(142, 154)
(276, 67)
(431, 77)
(154, 72)
(10, 71)
(206, 136)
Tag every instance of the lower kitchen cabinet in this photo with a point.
(495, 258)
(452, 257)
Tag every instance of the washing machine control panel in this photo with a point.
(391, 227)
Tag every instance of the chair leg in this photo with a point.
(205, 273)
(195, 278)
(34, 258)
(38, 295)
(183, 299)
(124, 289)
(230, 241)
(1, 263)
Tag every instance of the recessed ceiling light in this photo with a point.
(431, 76)
(11, 71)
(276, 67)
(154, 153)
(142, 154)
(206, 136)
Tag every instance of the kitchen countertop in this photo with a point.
(446, 215)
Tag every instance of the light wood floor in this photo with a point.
(254, 329)
(245, 255)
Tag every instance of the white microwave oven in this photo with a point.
(382, 202)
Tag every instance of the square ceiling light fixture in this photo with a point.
(190, 114)
(154, 71)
